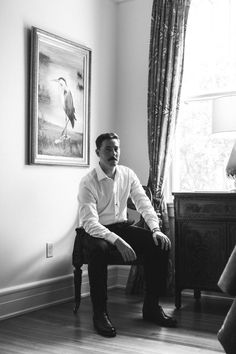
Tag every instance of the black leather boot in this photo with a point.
(102, 324)
(154, 313)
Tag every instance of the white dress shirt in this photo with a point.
(103, 201)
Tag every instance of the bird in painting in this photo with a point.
(68, 104)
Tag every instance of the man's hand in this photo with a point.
(126, 250)
(161, 239)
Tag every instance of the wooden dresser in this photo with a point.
(205, 236)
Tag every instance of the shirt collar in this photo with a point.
(101, 174)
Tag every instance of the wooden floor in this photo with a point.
(56, 330)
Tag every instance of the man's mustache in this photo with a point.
(112, 158)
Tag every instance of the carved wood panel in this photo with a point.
(202, 254)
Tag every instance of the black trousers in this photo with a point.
(100, 253)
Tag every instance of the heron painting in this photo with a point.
(60, 90)
(68, 107)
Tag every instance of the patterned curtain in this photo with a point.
(168, 26)
(166, 56)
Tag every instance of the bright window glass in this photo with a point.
(200, 158)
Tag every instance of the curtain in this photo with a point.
(166, 59)
(166, 56)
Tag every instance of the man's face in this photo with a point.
(109, 153)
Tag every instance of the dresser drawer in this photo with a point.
(205, 209)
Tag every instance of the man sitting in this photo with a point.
(103, 196)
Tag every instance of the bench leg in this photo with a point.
(178, 298)
(77, 289)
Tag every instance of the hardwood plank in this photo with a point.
(55, 330)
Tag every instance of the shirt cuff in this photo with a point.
(154, 225)
(111, 237)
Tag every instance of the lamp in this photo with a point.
(224, 122)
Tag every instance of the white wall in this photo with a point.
(38, 204)
(134, 19)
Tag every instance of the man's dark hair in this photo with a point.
(105, 136)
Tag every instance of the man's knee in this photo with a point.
(99, 247)
(156, 252)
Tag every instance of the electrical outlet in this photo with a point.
(49, 250)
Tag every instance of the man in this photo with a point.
(103, 195)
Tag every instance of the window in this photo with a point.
(200, 158)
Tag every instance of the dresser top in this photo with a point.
(206, 193)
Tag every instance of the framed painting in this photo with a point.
(59, 101)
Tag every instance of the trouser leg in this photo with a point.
(155, 260)
(155, 272)
(97, 250)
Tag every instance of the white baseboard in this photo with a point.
(29, 297)
(17, 300)
(122, 275)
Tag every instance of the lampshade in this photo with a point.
(224, 121)
(224, 115)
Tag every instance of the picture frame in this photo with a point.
(60, 79)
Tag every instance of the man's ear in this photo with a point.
(97, 152)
